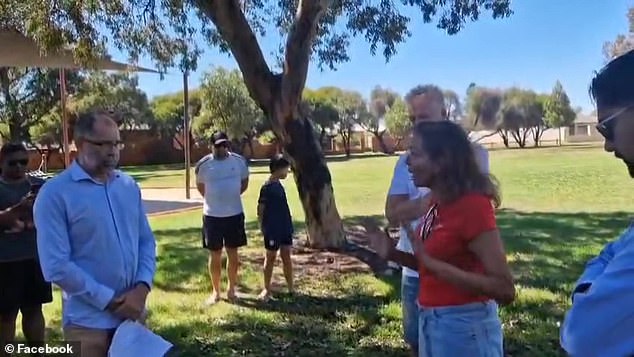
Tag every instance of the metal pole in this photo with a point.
(186, 143)
(62, 82)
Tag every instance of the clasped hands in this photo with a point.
(131, 304)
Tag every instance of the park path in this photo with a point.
(159, 201)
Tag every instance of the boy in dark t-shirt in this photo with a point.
(276, 224)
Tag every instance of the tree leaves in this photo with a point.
(226, 106)
(168, 31)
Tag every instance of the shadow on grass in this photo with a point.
(297, 325)
(547, 253)
(162, 206)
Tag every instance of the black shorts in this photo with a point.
(275, 242)
(22, 285)
(219, 232)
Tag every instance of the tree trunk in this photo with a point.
(15, 129)
(345, 139)
(379, 137)
(314, 185)
(505, 137)
(322, 136)
(279, 97)
(250, 143)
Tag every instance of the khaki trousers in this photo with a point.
(94, 342)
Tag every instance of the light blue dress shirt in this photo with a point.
(94, 241)
(601, 319)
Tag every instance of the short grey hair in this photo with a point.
(85, 123)
(429, 89)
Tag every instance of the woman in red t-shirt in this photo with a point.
(458, 251)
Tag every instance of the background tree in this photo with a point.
(622, 43)
(483, 107)
(119, 92)
(321, 111)
(381, 100)
(308, 28)
(557, 109)
(453, 107)
(397, 121)
(168, 111)
(520, 111)
(537, 122)
(226, 106)
(28, 94)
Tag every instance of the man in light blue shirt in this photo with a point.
(601, 319)
(93, 238)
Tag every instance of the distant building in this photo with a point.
(583, 129)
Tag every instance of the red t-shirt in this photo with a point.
(454, 226)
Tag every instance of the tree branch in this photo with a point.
(298, 50)
(234, 28)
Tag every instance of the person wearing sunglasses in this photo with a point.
(22, 286)
(94, 239)
(221, 178)
(601, 318)
(458, 251)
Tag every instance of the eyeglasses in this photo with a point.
(606, 126)
(108, 144)
(14, 163)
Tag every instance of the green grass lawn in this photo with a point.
(560, 205)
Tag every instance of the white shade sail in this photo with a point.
(17, 50)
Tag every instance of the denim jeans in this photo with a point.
(472, 330)
(409, 304)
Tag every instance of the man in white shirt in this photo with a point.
(406, 203)
(221, 178)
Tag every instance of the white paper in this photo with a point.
(131, 339)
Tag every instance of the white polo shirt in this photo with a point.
(403, 184)
(223, 182)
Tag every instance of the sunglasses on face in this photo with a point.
(21, 162)
(221, 145)
(606, 126)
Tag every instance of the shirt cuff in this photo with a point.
(145, 279)
(103, 296)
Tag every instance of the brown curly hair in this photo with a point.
(446, 144)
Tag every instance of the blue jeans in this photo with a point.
(472, 330)
(409, 303)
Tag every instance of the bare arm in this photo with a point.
(8, 217)
(244, 184)
(260, 212)
(398, 210)
(391, 211)
(403, 258)
(201, 188)
(497, 280)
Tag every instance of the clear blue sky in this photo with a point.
(544, 41)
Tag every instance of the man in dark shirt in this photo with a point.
(22, 286)
(276, 224)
